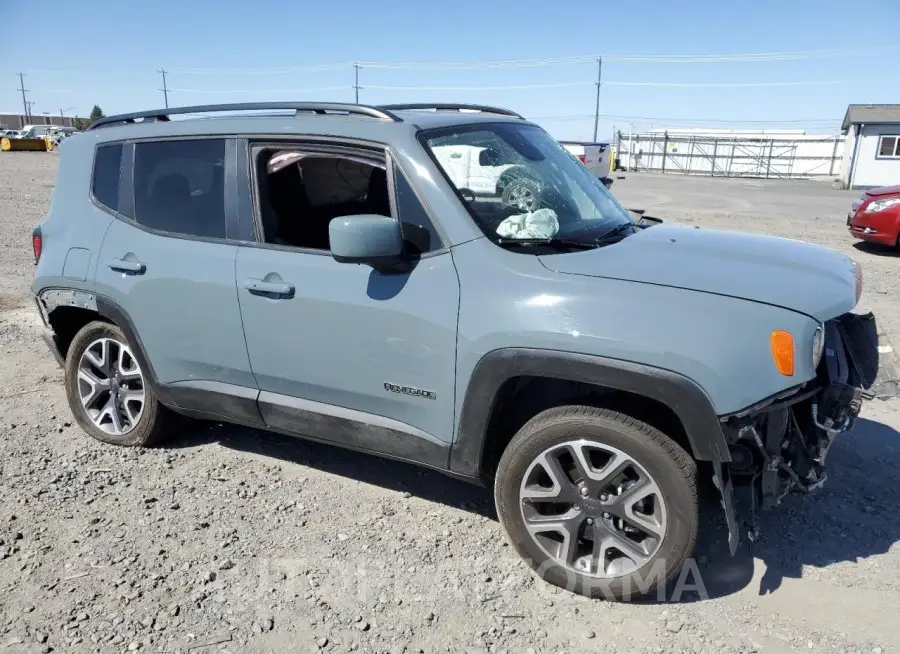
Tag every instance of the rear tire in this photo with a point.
(626, 516)
(107, 390)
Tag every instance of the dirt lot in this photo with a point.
(239, 541)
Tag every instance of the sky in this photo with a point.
(666, 64)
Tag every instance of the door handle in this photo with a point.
(121, 265)
(258, 286)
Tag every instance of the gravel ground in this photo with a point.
(239, 541)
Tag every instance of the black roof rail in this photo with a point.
(313, 107)
(449, 106)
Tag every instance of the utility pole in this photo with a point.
(597, 103)
(356, 68)
(24, 91)
(164, 88)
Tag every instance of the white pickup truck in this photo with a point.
(467, 166)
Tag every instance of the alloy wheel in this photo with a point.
(111, 386)
(523, 197)
(593, 509)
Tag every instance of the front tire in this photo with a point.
(523, 194)
(597, 502)
(108, 391)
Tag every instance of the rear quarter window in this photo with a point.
(105, 184)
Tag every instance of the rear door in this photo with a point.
(166, 264)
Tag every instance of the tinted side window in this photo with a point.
(418, 232)
(107, 163)
(179, 186)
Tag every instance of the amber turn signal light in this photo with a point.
(782, 344)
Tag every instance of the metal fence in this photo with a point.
(731, 156)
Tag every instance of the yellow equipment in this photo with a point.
(14, 145)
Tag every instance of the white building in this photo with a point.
(872, 149)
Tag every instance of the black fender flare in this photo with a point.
(684, 396)
(112, 311)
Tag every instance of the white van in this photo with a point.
(593, 155)
(37, 131)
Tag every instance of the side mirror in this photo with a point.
(367, 239)
(489, 157)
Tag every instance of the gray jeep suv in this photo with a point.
(316, 270)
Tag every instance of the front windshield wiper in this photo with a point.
(615, 231)
(560, 243)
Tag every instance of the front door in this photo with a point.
(341, 352)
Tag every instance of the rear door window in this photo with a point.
(179, 186)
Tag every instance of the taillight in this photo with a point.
(36, 243)
(582, 158)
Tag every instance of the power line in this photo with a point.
(554, 85)
(659, 119)
(733, 85)
(263, 71)
(549, 61)
(258, 91)
(650, 58)
(509, 87)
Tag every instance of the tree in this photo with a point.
(82, 124)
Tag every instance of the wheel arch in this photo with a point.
(491, 380)
(67, 311)
(114, 313)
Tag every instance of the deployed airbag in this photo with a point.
(542, 223)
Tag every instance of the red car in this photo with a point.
(875, 216)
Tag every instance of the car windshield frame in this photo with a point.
(575, 172)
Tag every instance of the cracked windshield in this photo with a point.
(520, 183)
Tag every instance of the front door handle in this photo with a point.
(120, 265)
(258, 286)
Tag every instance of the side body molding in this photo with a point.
(689, 402)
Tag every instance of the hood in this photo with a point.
(791, 274)
(883, 190)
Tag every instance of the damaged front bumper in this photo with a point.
(779, 446)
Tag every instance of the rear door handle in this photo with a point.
(258, 286)
(121, 265)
